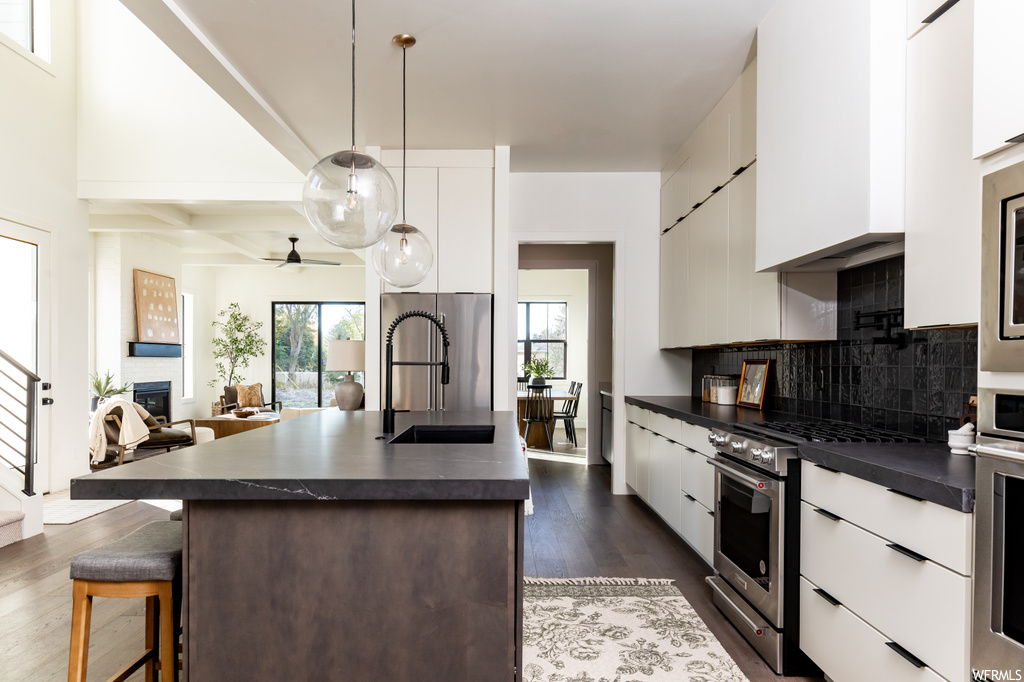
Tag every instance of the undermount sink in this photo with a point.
(446, 433)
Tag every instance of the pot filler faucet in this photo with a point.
(389, 362)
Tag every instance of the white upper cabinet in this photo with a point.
(830, 129)
(920, 13)
(673, 290)
(743, 119)
(675, 196)
(943, 224)
(715, 225)
(998, 64)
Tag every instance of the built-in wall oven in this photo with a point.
(1001, 333)
(997, 645)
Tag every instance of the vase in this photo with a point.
(537, 381)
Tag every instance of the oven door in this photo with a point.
(999, 556)
(748, 534)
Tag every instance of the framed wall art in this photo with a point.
(156, 308)
(753, 382)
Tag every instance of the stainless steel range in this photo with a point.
(757, 532)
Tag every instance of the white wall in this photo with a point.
(38, 188)
(151, 129)
(619, 208)
(572, 287)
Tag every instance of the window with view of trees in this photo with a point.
(541, 334)
(302, 333)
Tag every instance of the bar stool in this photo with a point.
(144, 563)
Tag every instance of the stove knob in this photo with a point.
(719, 440)
(711, 437)
(755, 454)
(767, 456)
(736, 445)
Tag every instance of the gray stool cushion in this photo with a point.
(152, 552)
(176, 515)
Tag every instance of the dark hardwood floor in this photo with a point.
(579, 529)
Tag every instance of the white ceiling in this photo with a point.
(568, 85)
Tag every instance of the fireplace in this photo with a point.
(155, 396)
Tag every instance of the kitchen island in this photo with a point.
(315, 550)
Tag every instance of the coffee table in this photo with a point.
(228, 425)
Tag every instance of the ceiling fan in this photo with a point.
(293, 258)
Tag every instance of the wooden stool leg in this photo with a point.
(81, 615)
(151, 630)
(168, 635)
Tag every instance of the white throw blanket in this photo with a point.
(133, 427)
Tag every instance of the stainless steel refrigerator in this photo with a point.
(468, 320)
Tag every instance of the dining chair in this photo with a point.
(569, 412)
(521, 383)
(539, 410)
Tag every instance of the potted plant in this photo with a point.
(539, 369)
(236, 341)
(103, 388)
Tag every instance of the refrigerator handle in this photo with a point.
(444, 323)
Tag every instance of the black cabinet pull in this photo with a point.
(47, 401)
(910, 658)
(1017, 139)
(907, 495)
(828, 515)
(907, 552)
(697, 205)
(691, 498)
(711, 513)
(939, 12)
(45, 386)
(827, 597)
(739, 170)
(822, 466)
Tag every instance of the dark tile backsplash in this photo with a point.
(921, 389)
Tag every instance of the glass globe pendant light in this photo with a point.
(404, 256)
(349, 197)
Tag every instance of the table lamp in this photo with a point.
(347, 356)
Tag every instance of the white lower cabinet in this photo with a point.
(899, 571)
(847, 648)
(664, 471)
(697, 526)
(638, 459)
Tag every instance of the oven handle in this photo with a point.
(736, 474)
(751, 624)
(1000, 453)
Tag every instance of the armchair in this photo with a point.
(161, 437)
(229, 401)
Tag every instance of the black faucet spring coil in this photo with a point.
(416, 313)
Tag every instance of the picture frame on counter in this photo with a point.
(753, 382)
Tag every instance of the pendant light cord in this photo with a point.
(353, 74)
(403, 135)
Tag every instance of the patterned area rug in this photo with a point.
(617, 630)
(60, 510)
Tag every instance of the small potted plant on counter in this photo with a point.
(104, 388)
(539, 369)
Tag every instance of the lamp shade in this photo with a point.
(350, 199)
(403, 257)
(346, 356)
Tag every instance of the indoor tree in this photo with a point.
(236, 341)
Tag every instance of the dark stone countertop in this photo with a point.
(925, 470)
(327, 455)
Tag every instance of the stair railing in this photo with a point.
(21, 389)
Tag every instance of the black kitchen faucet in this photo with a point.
(389, 362)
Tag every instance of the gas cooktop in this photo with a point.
(826, 431)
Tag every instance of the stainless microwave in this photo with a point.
(1001, 333)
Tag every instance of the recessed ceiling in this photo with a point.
(568, 85)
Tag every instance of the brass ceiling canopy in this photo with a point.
(404, 40)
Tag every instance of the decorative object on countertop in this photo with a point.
(347, 356)
(156, 308)
(753, 382)
(617, 628)
(538, 368)
(349, 198)
(404, 256)
(961, 438)
(236, 341)
(104, 388)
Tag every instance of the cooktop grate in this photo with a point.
(826, 431)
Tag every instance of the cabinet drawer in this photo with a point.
(697, 477)
(664, 472)
(920, 604)
(664, 426)
(697, 526)
(847, 648)
(942, 534)
(637, 415)
(696, 438)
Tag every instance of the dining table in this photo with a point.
(538, 436)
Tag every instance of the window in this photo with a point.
(302, 333)
(541, 334)
(16, 21)
(187, 341)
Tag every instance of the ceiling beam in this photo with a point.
(170, 23)
(241, 245)
(164, 212)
